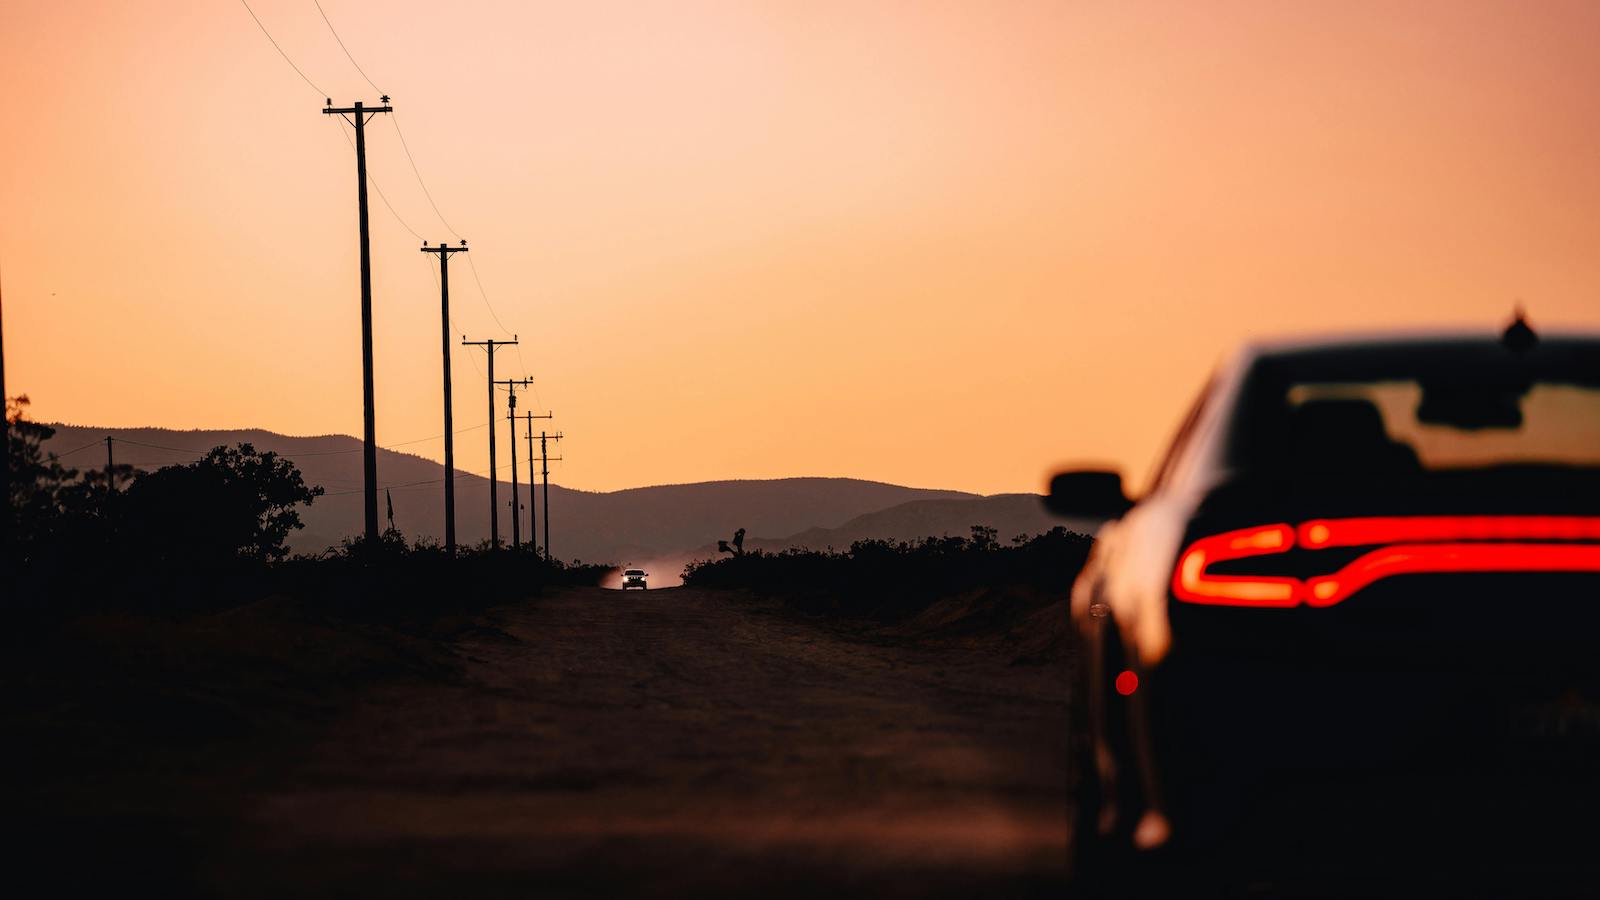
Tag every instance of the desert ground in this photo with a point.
(677, 742)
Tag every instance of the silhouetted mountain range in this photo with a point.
(669, 523)
(1009, 514)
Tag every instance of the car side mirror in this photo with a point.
(1087, 494)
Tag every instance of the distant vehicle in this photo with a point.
(634, 578)
(1355, 619)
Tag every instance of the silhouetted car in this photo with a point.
(1352, 630)
(634, 578)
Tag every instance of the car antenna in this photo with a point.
(1519, 336)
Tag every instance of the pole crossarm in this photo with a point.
(331, 110)
(443, 249)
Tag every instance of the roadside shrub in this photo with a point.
(888, 580)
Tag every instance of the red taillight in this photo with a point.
(1412, 559)
(1191, 582)
(1415, 545)
(1319, 533)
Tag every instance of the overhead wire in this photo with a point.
(392, 119)
(471, 357)
(381, 195)
(78, 449)
(490, 306)
(285, 56)
(344, 48)
(485, 295)
(460, 473)
(284, 453)
(421, 183)
(415, 169)
(161, 447)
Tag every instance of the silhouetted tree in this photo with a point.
(37, 481)
(234, 503)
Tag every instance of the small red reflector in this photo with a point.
(1127, 682)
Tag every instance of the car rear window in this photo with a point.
(1397, 409)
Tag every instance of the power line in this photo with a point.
(420, 183)
(430, 481)
(437, 284)
(485, 295)
(472, 357)
(78, 449)
(344, 48)
(280, 50)
(410, 158)
(388, 487)
(288, 454)
(437, 436)
(431, 437)
(381, 195)
(395, 121)
(160, 447)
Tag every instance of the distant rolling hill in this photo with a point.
(1009, 514)
(617, 526)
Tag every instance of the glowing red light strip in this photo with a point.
(1408, 559)
(1319, 533)
(1191, 582)
(1420, 544)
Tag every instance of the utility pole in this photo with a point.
(110, 466)
(511, 417)
(533, 495)
(544, 456)
(358, 116)
(449, 425)
(494, 482)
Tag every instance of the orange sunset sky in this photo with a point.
(942, 244)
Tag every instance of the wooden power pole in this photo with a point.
(533, 495)
(494, 483)
(449, 422)
(511, 418)
(358, 116)
(544, 456)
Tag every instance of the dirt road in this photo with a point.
(678, 742)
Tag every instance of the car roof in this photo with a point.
(1405, 339)
(1561, 354)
